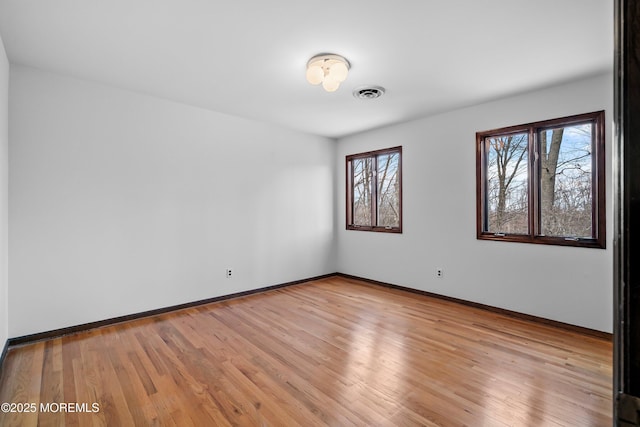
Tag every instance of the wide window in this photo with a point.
(374, 191)
(543, 182)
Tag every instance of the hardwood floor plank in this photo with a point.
(335, 351)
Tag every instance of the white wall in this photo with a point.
(4, 192)
(572, 285)
(120, 203)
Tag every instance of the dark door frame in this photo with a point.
(626, 165)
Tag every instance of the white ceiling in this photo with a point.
(247, 58)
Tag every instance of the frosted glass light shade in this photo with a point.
(315, 74)
(328, 69)
(338, 71)
(330, 85)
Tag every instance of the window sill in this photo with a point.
(544, 240)
(396, 230)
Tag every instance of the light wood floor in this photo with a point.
(331, 352)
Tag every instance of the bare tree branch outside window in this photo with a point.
(374, 190)
(543, 182)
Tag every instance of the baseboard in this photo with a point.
(3, 356)
(4, 353)
(56, 333)
(514, 314)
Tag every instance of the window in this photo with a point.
(374, 191)
(543, 182)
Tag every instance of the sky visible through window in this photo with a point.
(566, 195)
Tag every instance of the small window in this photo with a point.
(374, 191)
(543, 182)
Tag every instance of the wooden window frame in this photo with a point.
(598, 180)
(349, 191)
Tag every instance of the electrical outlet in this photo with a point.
(229, 272)
(439, 273)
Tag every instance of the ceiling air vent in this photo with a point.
(372, 92)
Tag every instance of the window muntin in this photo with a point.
(374, 191)
(543, 182)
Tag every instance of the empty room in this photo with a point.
(279, 213)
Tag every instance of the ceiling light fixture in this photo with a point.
(328, 69)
